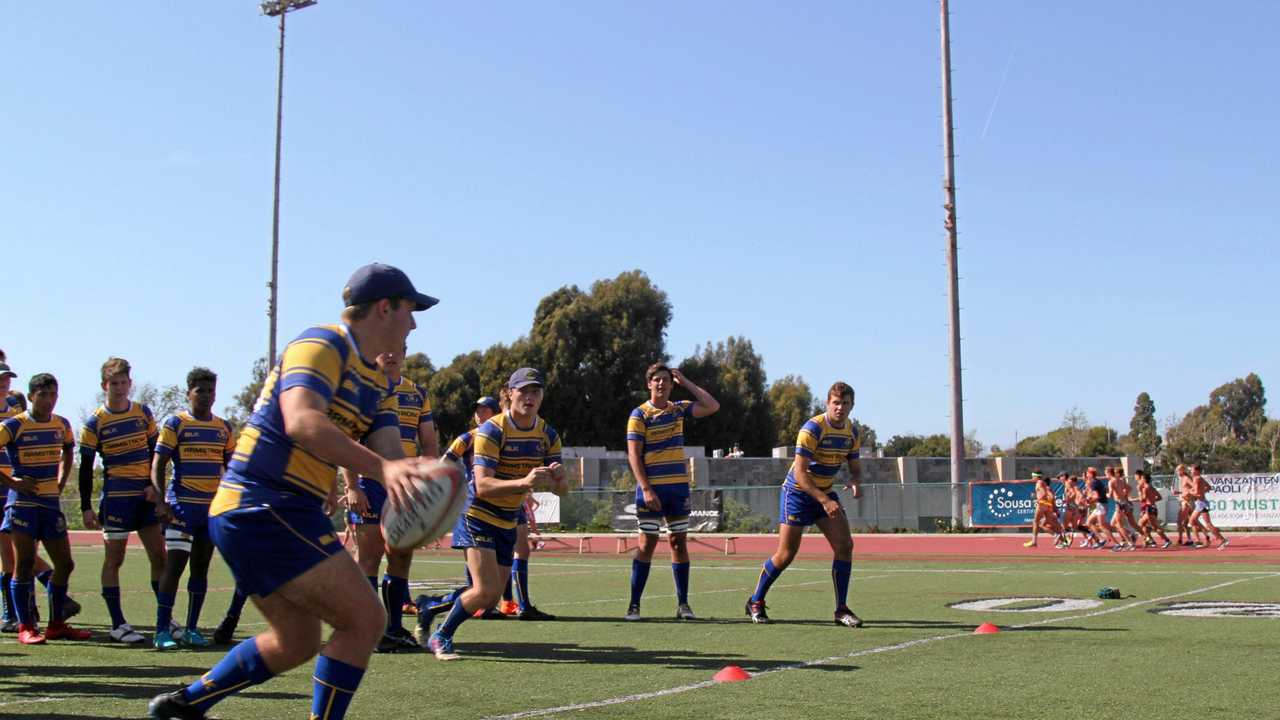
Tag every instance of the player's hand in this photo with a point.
(855, 490)
(400, 478)
(537, 476)
(24, 486)
(356, 500)
(651, 501)
(90, 520)
(150, 495)
(330, 502)
(164, 512)
(677, 377)
(830, 507)
(557, 471)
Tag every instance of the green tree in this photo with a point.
(1144, 438)
(1269, 438)
(937, 445)
(1100, 441)
(1243, 404)
(901, 445)
(1073, 433)
(791, 403)
(1038, 446)
(733, 373)
(454, 390)
(238, 412)
(866, 436)
(418, 368)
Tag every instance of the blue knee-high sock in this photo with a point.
(111, 595)
(639, 576)
(237, 670)
(9, 614)
(197, 588)
(164, 610)
(840, 572)
(768, 574)
(21, 590)
(520, 574)
(44, 578)
(457, 615)
(395, 590)
(57, 602)
(681, 573)
(333, 686)
(238, 599)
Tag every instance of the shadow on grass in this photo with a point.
(568, 653)
(130, 682)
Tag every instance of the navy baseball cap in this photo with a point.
(489, 402)
(376, 281)
(5, 371)
(523, 377)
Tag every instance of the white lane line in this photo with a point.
(31, 701)
(638, 697)
(746, 591)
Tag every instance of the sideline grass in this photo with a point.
(1049, 669)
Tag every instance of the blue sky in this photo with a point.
(776, 170)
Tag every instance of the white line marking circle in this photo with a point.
(1038, 604)
(1220, 608)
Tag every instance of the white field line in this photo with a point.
(738, 589)
(638, 697)
(31, 701)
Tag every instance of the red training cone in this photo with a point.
(986, 629)
(731, 673)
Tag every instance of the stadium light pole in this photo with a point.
(953, 286)
(277, 8)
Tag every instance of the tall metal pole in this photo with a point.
(953, 286)
(275, 211)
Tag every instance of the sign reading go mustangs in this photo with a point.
(1251, 500)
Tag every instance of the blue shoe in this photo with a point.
(442, 647)
(164, 640)
(192, 638)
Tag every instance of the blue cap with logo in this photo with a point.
(525, 376)
(489, 402)
(376, 281)
(5, 371)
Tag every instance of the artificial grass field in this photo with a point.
(916, 658)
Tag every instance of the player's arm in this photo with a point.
(306, 422)
(85, 483)
(428, 440)
(635, 458)
(489, 487)
(8, 479)
(160, 471)
(703, 404)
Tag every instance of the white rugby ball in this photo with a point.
(444, 491)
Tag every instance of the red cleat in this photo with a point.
(30, 635)
(509, 608)
(63, 631)
(409, 609)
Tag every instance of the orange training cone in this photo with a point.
(986, 629)
(731, 673)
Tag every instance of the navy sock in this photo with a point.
(506, 590)
(520, 573)
(457, 615)
(239, 669)
(840, 572)
(44, 578)
(681, 573)
(9, 613)
(164, 610)
(57, 602)
(111, 595)
(395, 592)
(639, 576)
(768, 574)
(22, 600)
(238, 599)
(373, 583)
(196, 590)
(155, 588)
(333, 686)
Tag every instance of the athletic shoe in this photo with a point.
(756, 611)
(63, 631)
(509, 608)
(684, 612)
(226, 630)
(490, 614)
(441, 647)
(1085, 542)
(173, 706)
(1198, 546)
(192, 638)
(409, 609)
(845, 617)
(70, 609)
(1225, 543)
(390, 644)
(405, 638)
(1117, 548)
(126, 634)
(9, 626)
(633, 613)
(164, 640)
(1029, 543)
(533, 613)
(1166, 544)
(30, 635)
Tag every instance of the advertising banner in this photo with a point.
(706, 511)
(548, 510)
(1006, 504)
(1249, 500)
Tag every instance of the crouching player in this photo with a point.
(200, 445)
(825, 442)
(39, 445)
(322, 398)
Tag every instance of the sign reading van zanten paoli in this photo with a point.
(1251, 500)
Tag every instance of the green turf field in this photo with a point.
(917, 658)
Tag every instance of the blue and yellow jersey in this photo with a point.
(200, 450)
(35, 451)
(662, 432)
(511, 452)
(267, 467)
(125, 440)
(9, 407)
(826, 448)
(415, 409)
(462, 450)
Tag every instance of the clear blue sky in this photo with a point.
(775, 169)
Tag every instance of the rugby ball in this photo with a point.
(425, 520)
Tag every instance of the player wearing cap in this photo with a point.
(124, 433)
(825, 442)
(366, 496)
(655, 452)
(322, 398)
(514, 452)
(199, 443)
(39, 446)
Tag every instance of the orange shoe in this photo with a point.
(30, 635)
(63, 631)
(509, 608)
(409, 609)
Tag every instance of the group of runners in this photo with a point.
(335, 406)
(1101, 511)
